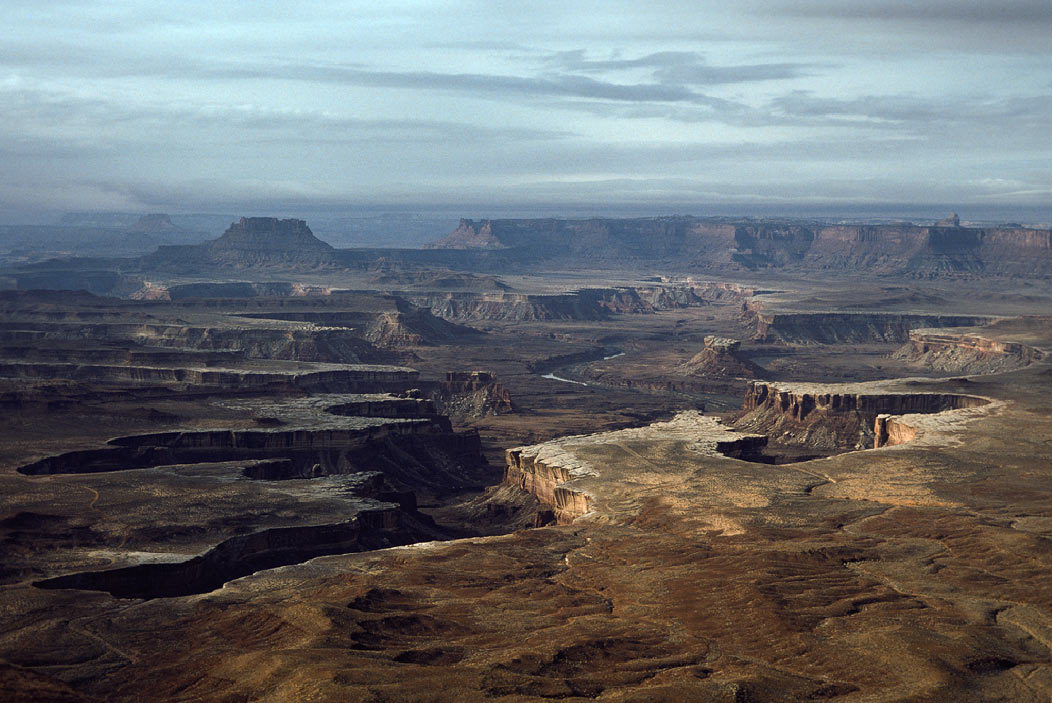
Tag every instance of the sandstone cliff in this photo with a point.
(836, 416)
(562, 473)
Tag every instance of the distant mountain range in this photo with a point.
(677, 244)
(690, 243)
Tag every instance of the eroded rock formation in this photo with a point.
(965, 352)
(560, 473)
(471, 394)
(720, 357)
(836, 416)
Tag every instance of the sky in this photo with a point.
(685, 106)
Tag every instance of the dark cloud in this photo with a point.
(680, 67)
(473, 83)
(974, 11)
(922, 114)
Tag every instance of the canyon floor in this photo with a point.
(566, 486)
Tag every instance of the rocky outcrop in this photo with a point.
(836, 416)
(471, 394)
(720, 357)
(889, 431)
(964, 352)
(544, 478)
(470, 235)
(851, 327)
(559, 473)
(254, 240)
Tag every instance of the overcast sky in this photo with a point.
(273, 107)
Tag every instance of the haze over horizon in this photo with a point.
(776, 106)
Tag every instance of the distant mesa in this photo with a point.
(154, 223)
(256, 241)
(251, 242)
(269, 234)
(943, 249)
(470, 235)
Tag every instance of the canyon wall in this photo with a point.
(851, 327)
(835, 417)
(544, 479)
(412, 453)
(584, 304)
(565, 475)
(964, 352)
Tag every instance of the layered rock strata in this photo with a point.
(584, 304)
(559, 475)
(313, 436)
(471, 394)
(262, 339)
(837, 416)
(965, 352)
(313, 377)
(851, 327)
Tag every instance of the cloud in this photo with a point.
(922, 114)
(65, 116)
(477, 84)
(955, 11)
(680, 67)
